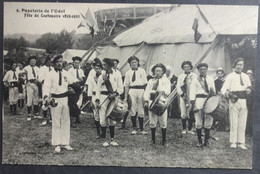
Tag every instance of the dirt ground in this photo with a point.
(29, 143)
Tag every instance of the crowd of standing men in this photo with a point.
(60, 89)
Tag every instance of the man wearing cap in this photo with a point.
(201, 88)
(77, 73)
(109, 87)
(92, 94)
(159, 84)
(135, 83)
(44, 70)
(11, 80)
(183, 90)
(57, 88)
(236, 87)
(32, 72)
(220, 79)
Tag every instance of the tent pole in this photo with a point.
(135, 52)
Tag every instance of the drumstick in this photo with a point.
(147, 122)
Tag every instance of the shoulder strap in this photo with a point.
(198, 78)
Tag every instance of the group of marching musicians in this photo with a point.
(59, 87)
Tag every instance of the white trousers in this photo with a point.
(32, 94)
(238, 117)
(200, 116)
(60, 122)
(136, 96)
(105, 121)
(13, 95)
(154, 118)
(184, 110)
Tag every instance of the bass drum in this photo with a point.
(159, 105)
(216, 106)
(116, 109)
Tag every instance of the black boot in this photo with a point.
(206, 140)
(112, 131)
(29, 109)
(22, 104)
(98, 128)
(163, 136)
(124, 120)
(14, 106)
(77, 119)
(190, 124)
(103, 132)
(133, 118)
(36, 110)
(11, 108)
(153, 135)
(141, 123)
(183, 121)
(19, 103)
(199, 138)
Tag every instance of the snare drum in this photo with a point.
(116, 109)
(159, 104)
(216, 106)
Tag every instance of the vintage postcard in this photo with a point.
(132, 85)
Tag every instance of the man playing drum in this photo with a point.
(159, 84)
(201, 88)
(236, 87)
(183, 90)
(92, 94)
(109, 86)
(135, 83)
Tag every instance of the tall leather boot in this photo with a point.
(153, 135)
(112, 131)
(14, 107)
(103, 132)
(124, 120)
(190, 124)
(97, 128)
(163, 136)
(199, 138)
(183, 121)
(206, 140)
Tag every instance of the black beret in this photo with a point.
(32, 57)
(202, 65)
(116, 60)
(109, 62)
(159, 65)
(97, 64)
(238, 60)
(57, 57)
(97, 60)
(186, 63)
(130, 59)
(77, 58)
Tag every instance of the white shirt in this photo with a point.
(140, 77)
(9, 76)
(232, 82)
(51, 84)
(43, 72)
(92, 73)
(92, 87)
(115, 80)
(164, 85)
(29, 71)
(196, 87)
(73, 73)
(180, 81)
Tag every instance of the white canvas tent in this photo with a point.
(168, 37)
(69, 53)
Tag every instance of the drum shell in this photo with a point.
(159, 105)
(116, 109)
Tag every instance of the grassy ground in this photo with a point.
(29, 143)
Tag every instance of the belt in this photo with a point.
(32, 80)
(14, 84)
(94, 93)
(201, 96)
(240, 94)
(137, 87)
(105, 92)
(65, 94)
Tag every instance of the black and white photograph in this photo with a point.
(128, 85)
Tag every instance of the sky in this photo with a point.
(17, 22)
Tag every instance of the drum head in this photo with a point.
(211, 104)
(110, 106)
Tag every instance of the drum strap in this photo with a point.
(205, 87)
